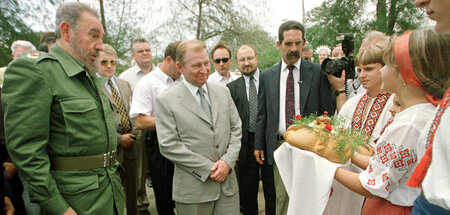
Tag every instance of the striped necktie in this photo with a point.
(124, 120)
(252, 105)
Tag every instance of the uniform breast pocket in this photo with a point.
(82, 119)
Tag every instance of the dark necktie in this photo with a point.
(204, 103)
(252, 104)
(124, 120)
(290, 98)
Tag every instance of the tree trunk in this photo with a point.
(199, 19)
(381, 21)
(303, 8)
(102, 14)
(392, 17)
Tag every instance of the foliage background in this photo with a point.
(231, 21)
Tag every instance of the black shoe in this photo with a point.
(144, 212)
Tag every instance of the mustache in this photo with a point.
(293, 54)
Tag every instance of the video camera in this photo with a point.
(347, 63)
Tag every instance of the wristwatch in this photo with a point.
(338, 92)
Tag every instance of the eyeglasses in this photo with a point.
(224, 60)
(105, 62)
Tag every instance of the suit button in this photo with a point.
(217, 146)
(212, 128)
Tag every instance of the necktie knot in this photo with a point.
(201, 91)
(291, 68)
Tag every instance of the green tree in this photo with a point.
(348, 16)
(12, 25)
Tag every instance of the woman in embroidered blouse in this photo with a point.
(416, 69)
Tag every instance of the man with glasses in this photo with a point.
(119, 94)
(244, 92)
(221, 56)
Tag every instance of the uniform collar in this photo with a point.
(70, 65)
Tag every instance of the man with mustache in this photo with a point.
(292, 87)
(59, 124)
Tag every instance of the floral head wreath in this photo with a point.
(323, 47)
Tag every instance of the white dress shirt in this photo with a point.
(283, 79)
(133, 75)
(216, 77)
(146, 91)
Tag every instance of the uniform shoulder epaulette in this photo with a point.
(38, 56)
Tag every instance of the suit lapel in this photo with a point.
(111, 99)
(242, 94)
(275, 86)
(187, 100)
(125, 96)
(305, 83)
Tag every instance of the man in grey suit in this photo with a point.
(199, 130)
(292, 87)
(119, 94)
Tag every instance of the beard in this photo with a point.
(248, 71)
(90, 66)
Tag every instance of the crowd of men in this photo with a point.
(83, 141)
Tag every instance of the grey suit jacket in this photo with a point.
(194, 144)
(125, 94)
(315, 98)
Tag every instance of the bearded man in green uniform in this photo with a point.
(59, 126)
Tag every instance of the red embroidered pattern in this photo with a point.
(387, 186)
(400, 158)
(385, 177)
(374, 113)
(441, 109)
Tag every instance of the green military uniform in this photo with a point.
(59, 125)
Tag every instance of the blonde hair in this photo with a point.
(109, 49)
(371, 54)
(188, 45)
(429, 53)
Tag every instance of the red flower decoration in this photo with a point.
(328, 127)
(298, 117)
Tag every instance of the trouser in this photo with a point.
(128, 177)
(142, 171)
(423, 207)
(249, 172)
(161, 173)
(225, 205)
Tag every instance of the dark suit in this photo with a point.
(315, 98)
(248, 167)
(127, 157)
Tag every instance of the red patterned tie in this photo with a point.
(290, 98)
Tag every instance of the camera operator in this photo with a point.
(341, 92)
